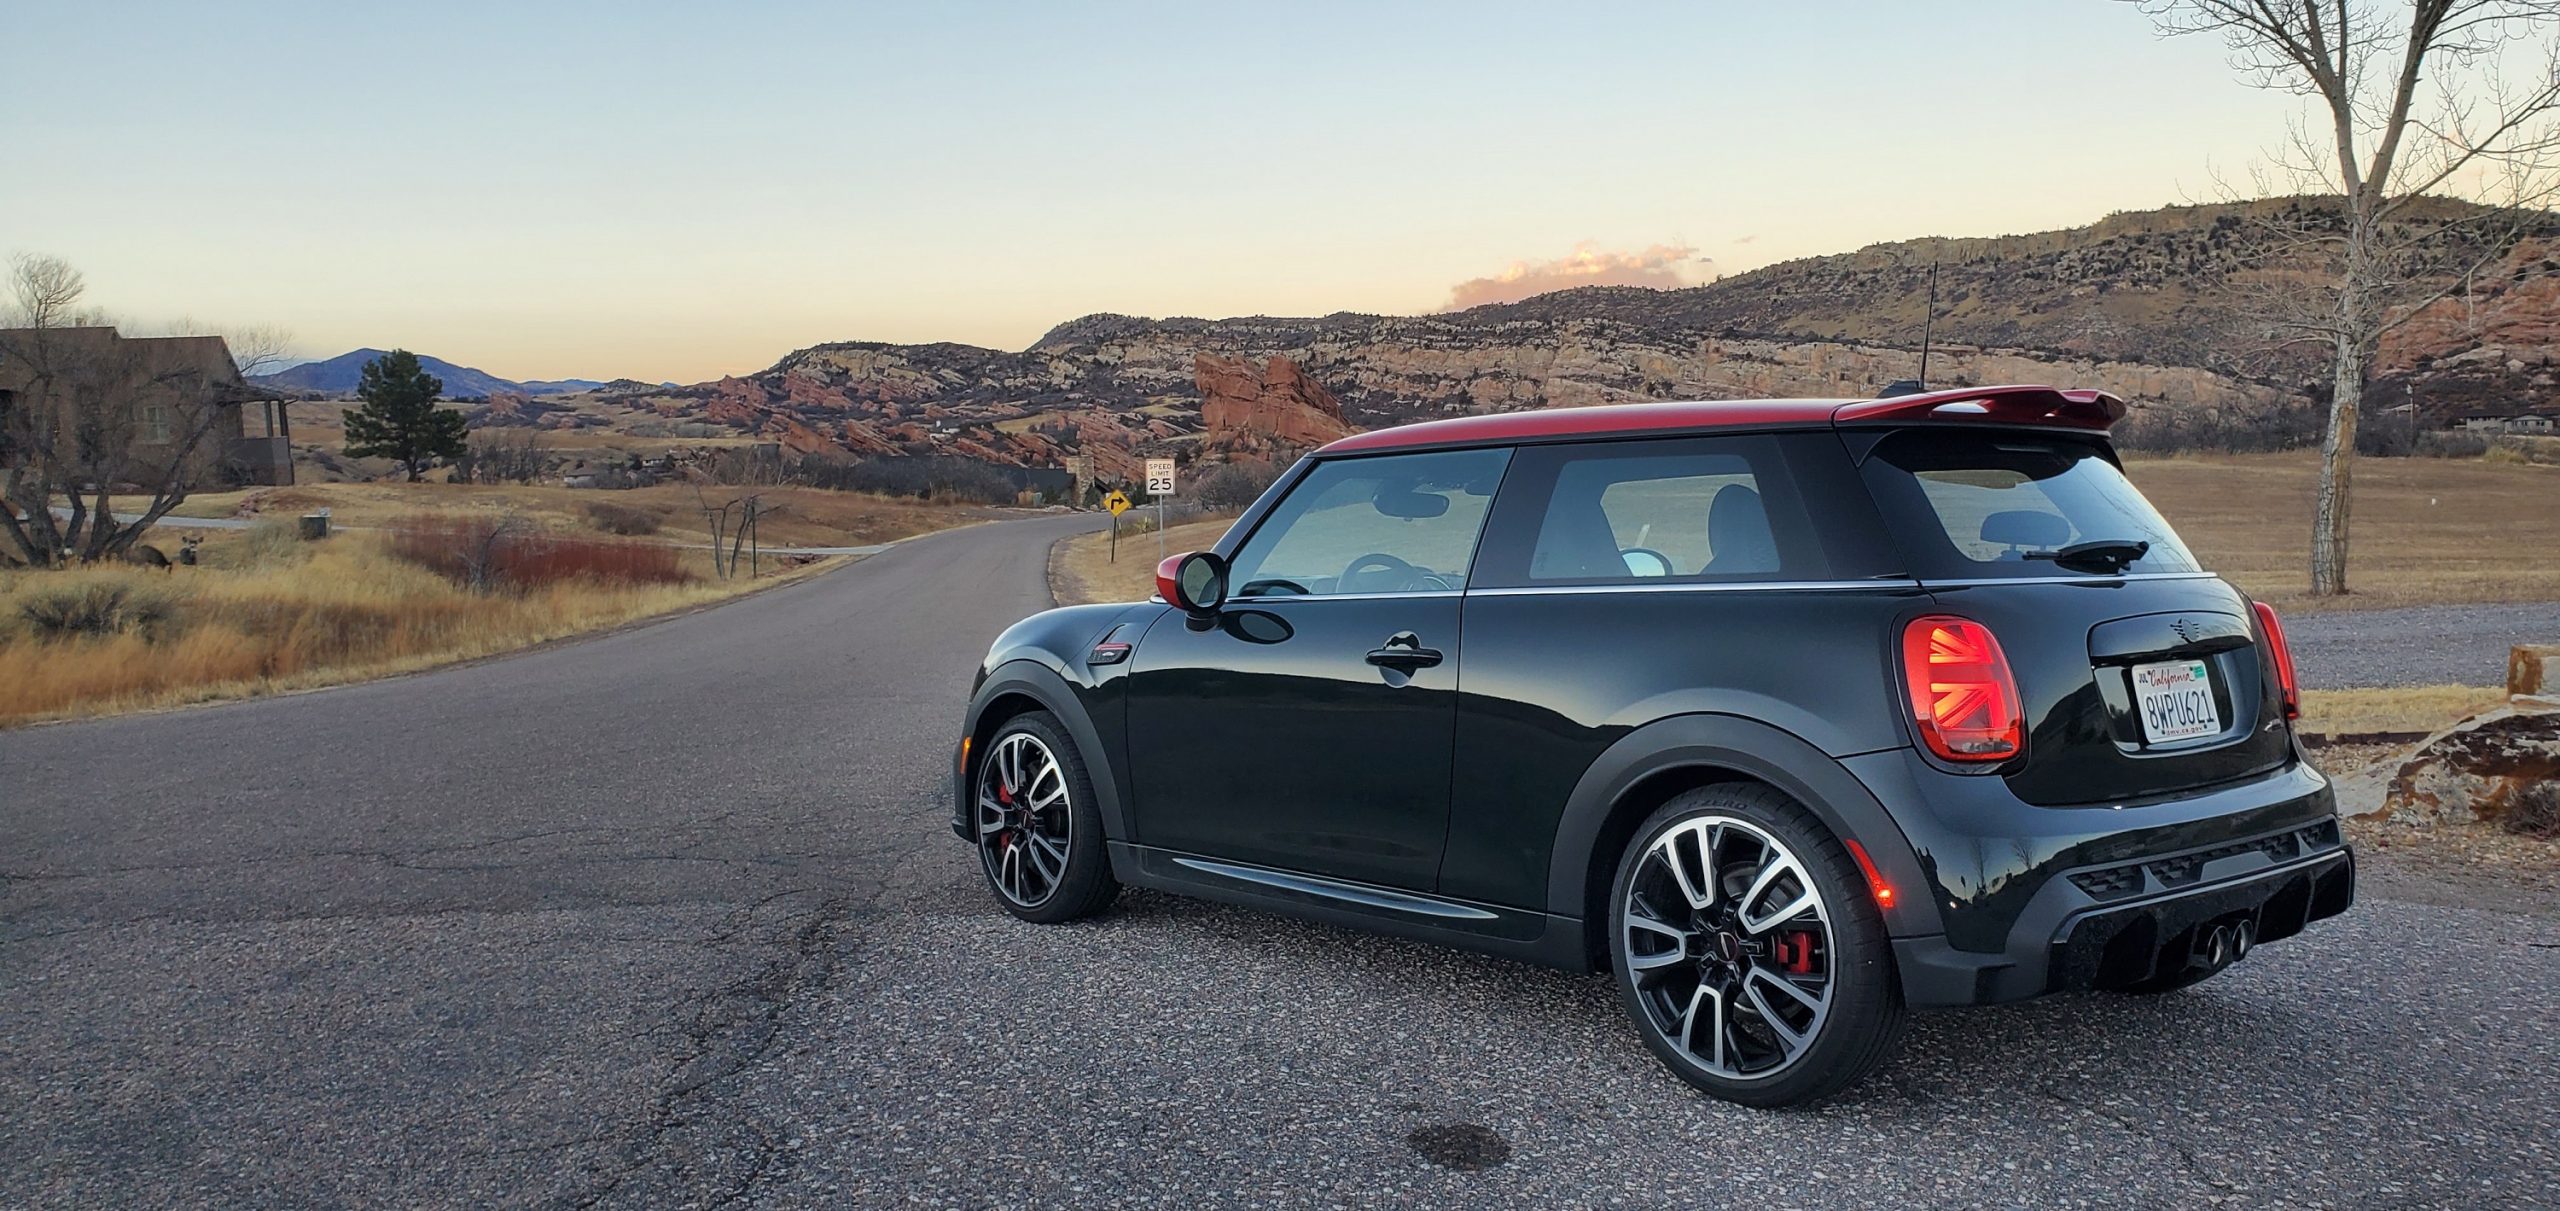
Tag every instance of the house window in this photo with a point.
(155, 424)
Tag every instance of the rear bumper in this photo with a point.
(2112, 945)
(2033, 899)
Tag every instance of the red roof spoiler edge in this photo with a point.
(2012, 405)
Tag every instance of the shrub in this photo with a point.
(95, 607)
(1230, 488)
(2535, 812)
(485, 554)
(621, 519)
(2441, 443)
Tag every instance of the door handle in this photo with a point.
(1404, 650)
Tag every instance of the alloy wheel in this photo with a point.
(1026, 829)
(1729, 947)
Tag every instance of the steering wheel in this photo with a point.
(1406, 573)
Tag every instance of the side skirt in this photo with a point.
(1529, 936)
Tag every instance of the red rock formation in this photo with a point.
(1250, 412)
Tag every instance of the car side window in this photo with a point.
(1403, 523)
(1631, 512)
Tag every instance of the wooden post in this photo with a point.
(2529, 669)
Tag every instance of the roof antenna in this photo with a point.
(1920, 385)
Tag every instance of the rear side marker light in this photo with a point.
(1963, 698)
(2283, 653)
(1875, 878)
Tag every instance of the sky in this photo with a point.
(681, 191)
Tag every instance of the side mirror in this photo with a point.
(1196, 582)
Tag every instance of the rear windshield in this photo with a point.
(1968, 505)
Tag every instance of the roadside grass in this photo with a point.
(808, 517)
(1081, 568)
(265, 614)
(2413, 709)
(2426, 531)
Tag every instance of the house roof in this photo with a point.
(151, 357)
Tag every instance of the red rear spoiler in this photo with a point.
(2093, 410)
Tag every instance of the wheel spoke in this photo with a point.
(1043, 847)
(1802, 997)
(1792, 1039)
(1012, 872)
(1772, 869)
(1641, 921)
(1804, 902)
(1712, 999)
(1701, 891)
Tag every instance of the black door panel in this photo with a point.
(1272, 735)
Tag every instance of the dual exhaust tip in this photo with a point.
(2221, 945)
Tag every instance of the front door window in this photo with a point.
(1397, 524)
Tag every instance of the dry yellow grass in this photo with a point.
(2414, 709)
(2426, 530)
(799, 517)
(1081, 569)
(279, 618)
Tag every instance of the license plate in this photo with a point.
(2176, 701)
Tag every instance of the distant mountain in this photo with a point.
(339, 376)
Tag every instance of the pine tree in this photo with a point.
(399, 418)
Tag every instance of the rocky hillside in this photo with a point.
(2155, 306)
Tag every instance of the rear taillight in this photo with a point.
(1962, 694)
(2283, 652)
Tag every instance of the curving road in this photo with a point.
(670, 917)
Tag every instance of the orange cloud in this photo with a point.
(1657, 267)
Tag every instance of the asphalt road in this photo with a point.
(671, 917)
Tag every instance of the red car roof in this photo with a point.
(2028, 405)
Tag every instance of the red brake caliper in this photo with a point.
(1794, 952)
(1004, 797)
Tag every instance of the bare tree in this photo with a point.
(81, 402)
(2414, 109)
(506, 456)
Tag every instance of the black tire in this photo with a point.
(1084, 885)
(1862, 1019)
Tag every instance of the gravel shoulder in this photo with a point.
(2414, 646)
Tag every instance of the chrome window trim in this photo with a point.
(1272, 597)
(1986, 581)
(1736, 586)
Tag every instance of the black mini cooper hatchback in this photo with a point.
(1789, 714)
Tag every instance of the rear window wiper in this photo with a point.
(2103, 555)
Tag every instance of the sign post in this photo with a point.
(1118, 503)
(1159, 486)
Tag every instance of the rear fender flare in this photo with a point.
(1038, 682)
(1755, 750)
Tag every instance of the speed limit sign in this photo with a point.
(1159, 477)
